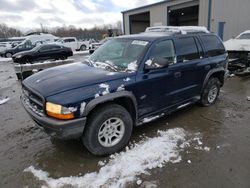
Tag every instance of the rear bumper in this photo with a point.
(62, 129)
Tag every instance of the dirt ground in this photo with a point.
(225, 128)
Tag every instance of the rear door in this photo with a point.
(215, 50)
(190, 68)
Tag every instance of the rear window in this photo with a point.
(213, 45)
(187, 49)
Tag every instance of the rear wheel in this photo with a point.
(211, 92)
(8, 55)
(108, 130)
(83, 48)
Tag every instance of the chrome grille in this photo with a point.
(33, 101)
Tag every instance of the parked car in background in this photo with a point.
(19, 48)
(73, 43)
(43, 52)
(2, 47)
(239, 52)
(95, 45)
(128, 81)
(41, 38)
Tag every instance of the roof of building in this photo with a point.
(146, 6)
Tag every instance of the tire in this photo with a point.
(63, 57)
(210, 92)
(8, 55)
(83, 48)
(95, 127)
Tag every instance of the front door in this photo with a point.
(156, 86)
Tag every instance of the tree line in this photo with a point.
(97, 32)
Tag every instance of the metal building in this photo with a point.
(227, 18)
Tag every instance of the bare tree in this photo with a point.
(6, 31)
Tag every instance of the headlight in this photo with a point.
(19, 56)
(58, 111)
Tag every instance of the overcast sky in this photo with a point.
(28, 14)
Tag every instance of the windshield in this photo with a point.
(244, 36)
(119, 54)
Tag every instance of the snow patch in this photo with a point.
(145, 155)
(97, 95)
(126, 79)
(106, 87)
(198, 140)
(2, 101)
(82, 108)
(138, 182)
(120, 88)
(149, 62)
(132, 66)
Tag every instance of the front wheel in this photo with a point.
(210, 92)
(108, 130)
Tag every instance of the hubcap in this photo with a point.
(111, 132)
(8, 55)
(212, 94)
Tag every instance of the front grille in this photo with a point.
(33, 101)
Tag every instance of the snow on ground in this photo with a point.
(2, 60)
(81, 52)
(124, 167)
(2, 101)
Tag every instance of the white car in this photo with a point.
(240, 43)
(239, 54)
(3, 47)
(73, 43)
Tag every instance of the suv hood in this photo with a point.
(67, 77)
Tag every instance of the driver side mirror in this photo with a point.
(157, 63)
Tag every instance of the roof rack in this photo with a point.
(177, 29)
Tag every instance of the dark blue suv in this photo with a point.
(128, 81)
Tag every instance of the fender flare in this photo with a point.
(110, 97)
(210, 73)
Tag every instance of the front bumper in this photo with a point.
(62, 129)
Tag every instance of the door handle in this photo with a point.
(177, 74)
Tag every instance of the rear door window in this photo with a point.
(213, 45)
(187, 49)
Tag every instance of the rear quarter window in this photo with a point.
(213, 45)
